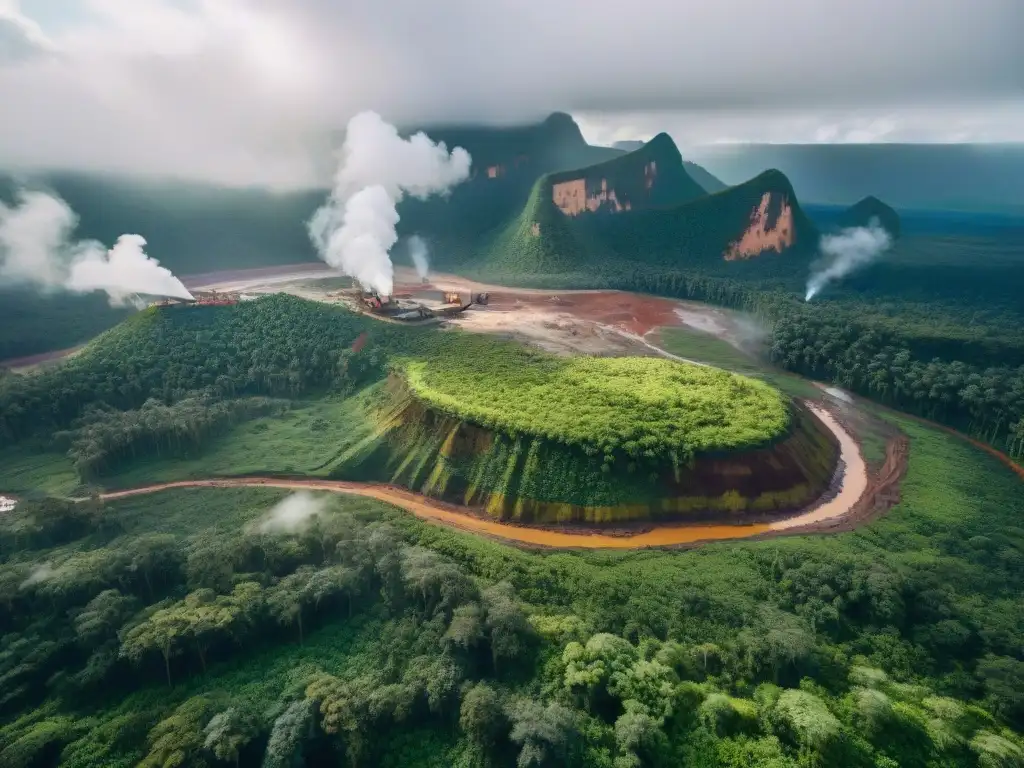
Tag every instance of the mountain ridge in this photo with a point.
(925, 177)
(698, 173)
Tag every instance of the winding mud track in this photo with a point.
(852, 487)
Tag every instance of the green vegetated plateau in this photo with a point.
(533, 479)
(650, 407)
(534, 438)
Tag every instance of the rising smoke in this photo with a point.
(293, 513)
(355, 229)
(418, 252)
(37, 249)
(849, 250)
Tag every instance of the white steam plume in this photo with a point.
(851, 249)
(355, 229)
(36, 248)
(293, 513)
(419, 253)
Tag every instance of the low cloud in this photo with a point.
(137, 86)
(293, 513)
(21, 39)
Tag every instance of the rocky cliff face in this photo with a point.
(770, 229)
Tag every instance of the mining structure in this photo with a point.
(201, 299)
(406, 307)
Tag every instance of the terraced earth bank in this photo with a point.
(753, 455)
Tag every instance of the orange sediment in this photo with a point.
(437, 512)
(854, 482)
(853, 486)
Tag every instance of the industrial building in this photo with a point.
(424, 305)
(202, 299)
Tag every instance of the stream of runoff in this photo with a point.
(852, 484)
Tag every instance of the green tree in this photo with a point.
(165, 632)
(178, 739)
(589, 668)
(545, 734)
(508, 629)
(228, 732)
(290, 731)
(287, 599)
(806, 721)
(638, 736)
(1003, 677)
(482, 716)
(103, 616)
(466, 630)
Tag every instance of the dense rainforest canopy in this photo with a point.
(209, 627)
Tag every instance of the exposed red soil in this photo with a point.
(631, 312)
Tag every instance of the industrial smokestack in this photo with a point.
(851, 249)
(355, 229)
(36, 248)
(418, 253)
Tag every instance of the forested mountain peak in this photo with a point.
(862, 212)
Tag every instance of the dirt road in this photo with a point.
(852, 485)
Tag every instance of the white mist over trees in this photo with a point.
(418, 252)
(293, 513)
(849, 250)
(355, 229)
(37, 250)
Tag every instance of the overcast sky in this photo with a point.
(254, 91)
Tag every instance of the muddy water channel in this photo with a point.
(852, 483)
